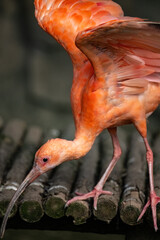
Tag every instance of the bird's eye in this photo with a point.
(45, 160)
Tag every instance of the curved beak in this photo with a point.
(32, 175)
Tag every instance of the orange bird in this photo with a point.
(116, 66)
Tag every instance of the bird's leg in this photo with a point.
(153, 199)
(98, 188)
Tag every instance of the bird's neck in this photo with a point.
(79, 147)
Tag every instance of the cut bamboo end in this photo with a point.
(131, 209)
(80, 212)
(3, 207)
(55, 206)
(107, 208)
(31, 211)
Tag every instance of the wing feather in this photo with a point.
(127, 51)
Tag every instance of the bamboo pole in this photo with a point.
(31, 205)
(80, 210)
(156, 168)
(20, 166)
(60, 183)
(107, 206)
(11, 137)
(133, 198)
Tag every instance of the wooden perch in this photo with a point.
(107, 206)
(21, 165)
(61, 183)
(59, 190)
(133, 198)
(11, 137)
(80, 210)
(156, 165)
(50, 192)
(31, 205)
(31, 209)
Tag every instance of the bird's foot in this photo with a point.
(153, 201)
(95, 193)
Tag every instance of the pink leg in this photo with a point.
(98, 188)
(153, 199)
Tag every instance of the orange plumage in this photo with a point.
(116, 80)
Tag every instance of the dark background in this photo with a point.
(36, 77)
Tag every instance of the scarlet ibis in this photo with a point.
(116, 81)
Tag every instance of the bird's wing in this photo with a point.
(125, 54)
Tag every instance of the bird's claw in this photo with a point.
(95, 193)
(153, 201)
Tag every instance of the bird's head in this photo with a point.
(51, 154)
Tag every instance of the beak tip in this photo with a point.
(2, 231)
(33, 174)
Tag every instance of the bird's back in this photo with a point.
(64, 19)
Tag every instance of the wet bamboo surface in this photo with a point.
(42, 206)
